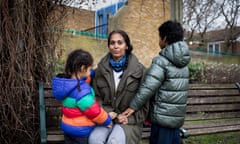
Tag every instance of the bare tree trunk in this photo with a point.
(26, 54)
(230, 11)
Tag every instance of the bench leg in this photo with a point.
(42, 114)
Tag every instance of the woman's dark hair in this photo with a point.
(75, 60)
(172, 30)
(125, 37)
(127, 40)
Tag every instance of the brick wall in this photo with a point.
(75, 18)
(141, 19)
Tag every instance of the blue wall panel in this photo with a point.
(102, 16)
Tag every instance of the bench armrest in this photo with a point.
(237, 85)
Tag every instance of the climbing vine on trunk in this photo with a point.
(27, 46)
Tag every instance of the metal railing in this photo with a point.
(88, 32)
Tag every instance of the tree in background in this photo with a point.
(27, 45)
(230, 9)
(200, 16)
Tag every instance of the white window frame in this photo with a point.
(214, 47)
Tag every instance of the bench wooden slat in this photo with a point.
(145, 135)
(213, 123)
(51, 122)
(55, 131)
(215, 115)
(213, 108)
(213, 130)
(52, 103)
(213, 92)
(55, 138)
(54, 112)
(213, 100)
(211, 86)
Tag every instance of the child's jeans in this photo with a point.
(163, 135)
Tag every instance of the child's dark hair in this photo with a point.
(75, 60)
(172, 30)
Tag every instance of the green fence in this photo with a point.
(217, 53)
(77, 32)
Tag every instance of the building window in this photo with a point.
(210, 48)
(100, 22)
(214, 48)
(217, 50)
(108, 17)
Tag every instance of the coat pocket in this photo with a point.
(133, 83)
(104, 92)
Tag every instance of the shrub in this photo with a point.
(197, 72)
(214, 72)
(58, 66)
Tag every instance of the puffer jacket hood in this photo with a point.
(177, 53)
(61, 87)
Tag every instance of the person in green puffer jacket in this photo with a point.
(166, 86)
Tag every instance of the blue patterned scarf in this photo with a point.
(118, 65)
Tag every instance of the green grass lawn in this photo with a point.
(222, 138)
(97, 47)
(145, 141)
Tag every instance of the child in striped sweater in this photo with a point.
(80, 110)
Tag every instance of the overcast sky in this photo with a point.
(95, 4)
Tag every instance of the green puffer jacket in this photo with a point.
(119, 100)
(166, 85)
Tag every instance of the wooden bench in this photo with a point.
(50, 117)
(211, 109)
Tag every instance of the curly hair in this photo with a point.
(172, 30)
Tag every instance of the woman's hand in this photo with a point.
(128, 112)
(122, 119)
